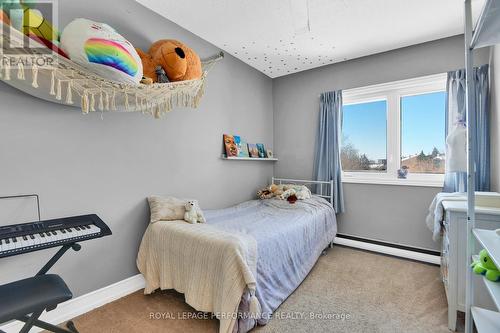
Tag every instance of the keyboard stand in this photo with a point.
(33, 318)
(28, 310)
(57, 256)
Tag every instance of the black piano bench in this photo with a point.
(33, 296)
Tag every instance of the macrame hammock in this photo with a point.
(69, 83)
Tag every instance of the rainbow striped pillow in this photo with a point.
(101, 49)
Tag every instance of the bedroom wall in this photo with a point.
(87, 164)
(389, 213)
(495, 117)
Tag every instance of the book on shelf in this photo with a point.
(261, 150)
(230, 146)
(242, 147)
(254, 152)
(236, 146)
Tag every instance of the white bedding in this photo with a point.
(210, 267)
(288, 240)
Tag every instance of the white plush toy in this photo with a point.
(303, 192)
(300, 191)
(193, 213)
(289, 192)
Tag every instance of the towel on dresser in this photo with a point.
(190, 258)
(436, 211)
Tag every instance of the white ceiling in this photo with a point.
(280, 37)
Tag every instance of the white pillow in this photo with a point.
(166, 209)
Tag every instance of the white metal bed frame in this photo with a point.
(324, 193)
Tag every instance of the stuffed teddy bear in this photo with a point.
(284, 191)
(485, 266)
(277, 190)
(179, 62)
(265, 193)
(271, 191)
(193, 213)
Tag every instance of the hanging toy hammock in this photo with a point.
(68, 83)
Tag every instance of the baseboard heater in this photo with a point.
(398, 250)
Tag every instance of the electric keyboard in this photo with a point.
(28, 237)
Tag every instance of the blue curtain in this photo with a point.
(327, 155)
(455, 112)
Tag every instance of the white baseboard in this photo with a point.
(85, 303)
(429, 258)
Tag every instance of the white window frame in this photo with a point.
(392, 92)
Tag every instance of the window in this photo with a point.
(364, 137)
(423, 132)
(395, 126)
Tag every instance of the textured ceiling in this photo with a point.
(280, 37)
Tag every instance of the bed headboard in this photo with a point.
(322, 189)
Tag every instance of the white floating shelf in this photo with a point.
(490, 241)
(486, 321)
(494, 290)
(272, 159)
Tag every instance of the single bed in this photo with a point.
(289, 239)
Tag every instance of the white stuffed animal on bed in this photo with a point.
(303, 192)
(289, 192)
(193, 213)
(300, 191)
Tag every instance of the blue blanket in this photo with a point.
(290, 239)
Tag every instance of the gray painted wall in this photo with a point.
(81, 163)
(389, 213)
(495, 117)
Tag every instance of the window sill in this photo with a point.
(396, 181)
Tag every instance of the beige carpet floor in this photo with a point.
(347, 291)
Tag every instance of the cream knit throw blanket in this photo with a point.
(212, 268)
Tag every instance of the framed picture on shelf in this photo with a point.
(230, 145)
(270, 153)
(254, 152)
(261, 150)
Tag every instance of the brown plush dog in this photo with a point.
(178, 60)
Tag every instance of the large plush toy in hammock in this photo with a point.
(100, 49)
(178, 60)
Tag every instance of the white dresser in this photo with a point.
(453, 268)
